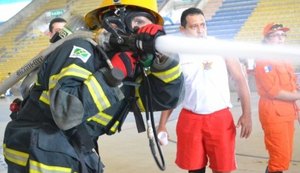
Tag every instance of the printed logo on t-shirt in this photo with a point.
(207, 65)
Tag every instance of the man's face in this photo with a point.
(56, 27)
(277, 37)
(137, 21)
(140, 21)
(195, 26)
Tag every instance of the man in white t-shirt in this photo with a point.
(205, 128)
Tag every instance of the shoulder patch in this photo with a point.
(81, 53)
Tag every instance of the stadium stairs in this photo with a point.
(229, 18)
(285, 12)
(19, 45)
(22, 43)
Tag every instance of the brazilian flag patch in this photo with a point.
(81, 53)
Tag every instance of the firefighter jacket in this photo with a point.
(71, 104)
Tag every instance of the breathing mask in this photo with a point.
(120, 27)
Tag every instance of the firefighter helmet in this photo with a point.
(94, 18)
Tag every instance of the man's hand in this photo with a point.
(146, 36)
(162, 134)
(297, 102)
(245, 123)
(299, 118)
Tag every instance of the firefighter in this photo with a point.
(84, 91)
(278, 98)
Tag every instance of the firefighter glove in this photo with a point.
(146, 36)
(125, 62)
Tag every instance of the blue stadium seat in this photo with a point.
(229, 19)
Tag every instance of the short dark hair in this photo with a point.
(189, 11)
(55, 20)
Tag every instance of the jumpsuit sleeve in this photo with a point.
(76, 88)
(267, 79)
(166, 85)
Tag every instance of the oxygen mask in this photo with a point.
(120, 27)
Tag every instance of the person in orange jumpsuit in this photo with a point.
(276, 86)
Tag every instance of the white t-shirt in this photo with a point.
(206, 83)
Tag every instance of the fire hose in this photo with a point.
(169, 44)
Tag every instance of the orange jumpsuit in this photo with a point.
(276, 116)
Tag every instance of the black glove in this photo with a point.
(146, 35)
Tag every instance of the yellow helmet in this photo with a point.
(93, 18)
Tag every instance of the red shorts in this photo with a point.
(206, 137)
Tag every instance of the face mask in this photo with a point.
(126, 21)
